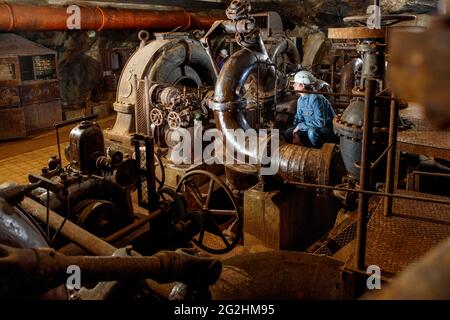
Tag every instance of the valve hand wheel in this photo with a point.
(173, 120)
(156, 117)
(221, 229)
(386, 20)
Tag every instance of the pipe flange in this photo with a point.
(353, 132)
(226, 106)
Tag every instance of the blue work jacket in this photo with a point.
(313, 111)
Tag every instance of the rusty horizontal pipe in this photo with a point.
(27, 17)
(334, 94)
(431, 174)
(40, 269)
(132, 227)
(72, 249)
(164, 267)
(371, 193)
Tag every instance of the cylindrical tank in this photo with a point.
(302, 164)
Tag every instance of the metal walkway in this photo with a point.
(412, 230)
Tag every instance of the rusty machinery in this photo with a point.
(94, 192)
(297, 163)
(182, 61)
(92, 195)
(95, 188)
(166, 85)
(30, 269)
(172, 59)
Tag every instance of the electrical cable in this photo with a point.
(63, 223)
(48, 214)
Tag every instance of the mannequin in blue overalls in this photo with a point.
(313, 121)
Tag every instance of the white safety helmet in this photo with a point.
(304, 77)
(224, 53)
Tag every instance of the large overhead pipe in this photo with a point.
(25, 17)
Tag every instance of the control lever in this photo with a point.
(14, 193)
(46, 183)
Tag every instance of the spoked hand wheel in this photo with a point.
(221, 229)
(386, 20)
(160, 174)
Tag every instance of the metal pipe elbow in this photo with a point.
(286, 47)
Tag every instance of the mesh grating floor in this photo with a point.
(333, 245)
(413, 229)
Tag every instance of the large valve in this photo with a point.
(156, 117)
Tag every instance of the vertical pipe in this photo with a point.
(59, 147)
(147, 105)
(333, 71)
(136, 99)
(366, 154)
(390, 170)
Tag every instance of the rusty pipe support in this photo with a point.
(392, 153)
(27, 17)
(363, 200)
